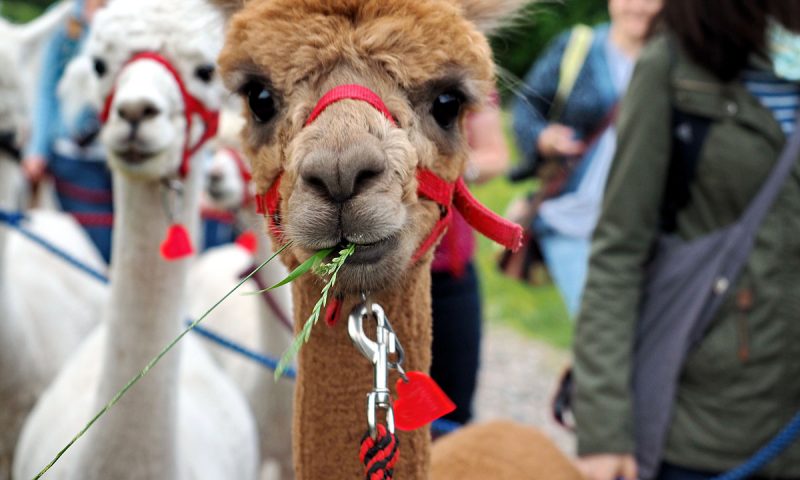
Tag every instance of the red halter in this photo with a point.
(431, 186)
(192, 106)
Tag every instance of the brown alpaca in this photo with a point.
(351, 176)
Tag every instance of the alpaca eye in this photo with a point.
(446, 108)
(261, 101)
(100, 66)
(204, 72)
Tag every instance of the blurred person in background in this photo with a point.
(69, 151)
(733, 69)
(569, 142)
(455, 286)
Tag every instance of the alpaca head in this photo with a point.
(351, 174)
(145, 128)
(227, 182)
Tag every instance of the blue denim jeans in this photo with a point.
(83, 188)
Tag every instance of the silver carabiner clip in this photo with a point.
(377, 352)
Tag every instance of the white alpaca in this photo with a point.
(46, 305)
(248, 319)
(186, 419)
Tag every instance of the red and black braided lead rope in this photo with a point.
(380, 455)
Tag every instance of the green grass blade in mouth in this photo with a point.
(313, 262)
(331, 268)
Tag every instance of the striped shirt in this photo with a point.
(781, 97)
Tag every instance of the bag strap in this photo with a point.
(580, 41)
(761, 204)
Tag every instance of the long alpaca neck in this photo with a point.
(146, 312)
(334, 378)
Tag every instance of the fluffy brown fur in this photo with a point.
(508, 450)
(409, 52)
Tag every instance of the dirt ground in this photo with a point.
(517, 380)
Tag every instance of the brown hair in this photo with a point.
(722, 34)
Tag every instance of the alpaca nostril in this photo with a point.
(316, 183)
(363, 179)
(136, 111)
(215, 177)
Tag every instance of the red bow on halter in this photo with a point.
(431, 186)
(177, 243)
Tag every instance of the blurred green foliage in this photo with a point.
(517, 46)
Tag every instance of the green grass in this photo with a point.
(536, 312)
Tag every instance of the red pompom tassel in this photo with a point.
(248, 241)
(177, 245)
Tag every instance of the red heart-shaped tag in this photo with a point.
(177, 244)
(419, 402)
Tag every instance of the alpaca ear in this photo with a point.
(490, 15)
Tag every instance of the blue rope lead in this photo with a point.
(262, 360)
(768, 453)
(15, 219)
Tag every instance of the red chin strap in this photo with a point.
(431, 186)
(192, 106)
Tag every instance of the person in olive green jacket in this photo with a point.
(741, 385)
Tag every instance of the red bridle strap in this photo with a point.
(350, 92)
(192, 106)
(457, 195)
(269, 204)
(432, 187)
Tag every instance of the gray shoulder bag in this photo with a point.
(686, 284)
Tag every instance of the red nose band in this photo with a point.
(350, 92)
(192, 106)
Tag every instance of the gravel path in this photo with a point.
(517, 380)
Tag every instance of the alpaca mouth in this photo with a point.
(368, 253)
(217, 193)
(134, 156)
